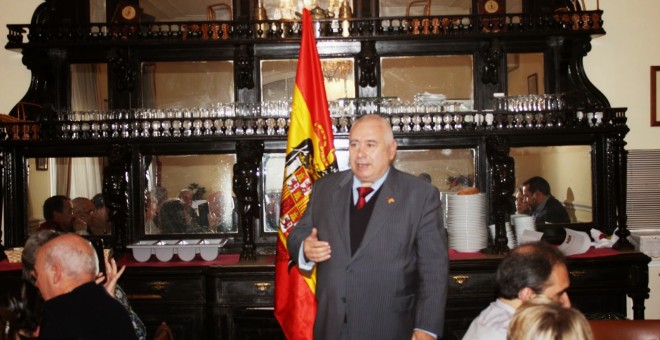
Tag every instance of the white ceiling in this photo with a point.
(195, 10)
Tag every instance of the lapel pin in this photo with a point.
(390, 200)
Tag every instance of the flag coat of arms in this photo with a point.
(310, 154)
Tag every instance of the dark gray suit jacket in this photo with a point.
(397, 280)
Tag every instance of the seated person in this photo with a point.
(544, 319)
(58, 212)
(521, 203)
(76, 307)
(545, 207)
(100, 224)
(83, 210)
(217, 218)
(150, 212)
(186, 196)
(32, 302)
(172, 217)
(527, 271)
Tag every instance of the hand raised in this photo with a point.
(315, 250)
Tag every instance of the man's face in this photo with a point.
(557, 285)
(530, 197)
(370, 153)
(83, 210)
(186, 197)
(65, 217)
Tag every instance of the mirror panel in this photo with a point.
(568, 171)
(437, 7)
(89, 87)
(451, 76)
(73, 177)
(525, 74)
(446, 168)
(278, 78)
(185, 10)
(190, 84)
(208, 205)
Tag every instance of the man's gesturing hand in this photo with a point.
(315, 250)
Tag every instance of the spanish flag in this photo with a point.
(310, 154)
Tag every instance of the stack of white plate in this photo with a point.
(511, 240)
(522, 223)
(466, 222)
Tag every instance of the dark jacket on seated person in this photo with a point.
(87, 312)
(552, 211)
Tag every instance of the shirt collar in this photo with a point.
(377, 184)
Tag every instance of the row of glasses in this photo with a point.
(279, 108)
(351, 107)
(147, 128)
(532, 102)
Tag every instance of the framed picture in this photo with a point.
(533, 84)
(655, 92)
(42, 164)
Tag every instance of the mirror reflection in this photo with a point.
(436, 78)
(436, 7)
(186, 10)
(190, 194)
(525, 74)
(567, 169)
(278, 78)
(447, 169)
(190, 84)
(89, 87)
(77, 178)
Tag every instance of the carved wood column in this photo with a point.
(116, 194)
(501, 168)
(247, 176)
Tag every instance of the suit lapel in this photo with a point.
(384, 208)
(341, 196)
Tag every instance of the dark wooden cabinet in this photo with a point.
(176, 296)
(238, 299)
(236, 302)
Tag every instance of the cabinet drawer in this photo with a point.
(461, 282)
(599, 276)
(231, 288)
(164, 287)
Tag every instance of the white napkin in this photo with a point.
(602, 240)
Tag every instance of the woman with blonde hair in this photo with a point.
(544, 319)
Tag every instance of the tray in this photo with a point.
(186, 249)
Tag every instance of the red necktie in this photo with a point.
(362, 194)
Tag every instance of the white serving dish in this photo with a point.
(186, 249)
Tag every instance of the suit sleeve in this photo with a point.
(433, 266)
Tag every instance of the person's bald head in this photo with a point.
(63, 264)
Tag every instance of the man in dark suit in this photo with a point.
(381, 259)
(545, 207)
(76, 307)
